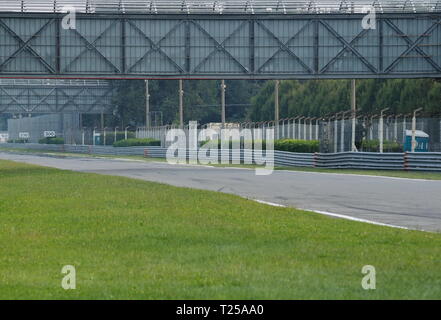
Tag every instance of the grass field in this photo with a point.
(131, 239)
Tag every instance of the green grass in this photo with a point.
(131, 239)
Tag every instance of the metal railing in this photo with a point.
(221, 7)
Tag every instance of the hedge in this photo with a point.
(291, 145)
(374, 146)
(301, 146)
(137, 143)
(18, 141)
(120, 135)
(51, 141)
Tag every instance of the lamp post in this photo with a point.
(223, 111)
(125, 132)
(371, 127)
(181, 104)
(276, 106)
(104, 134)
(414, 143)
(147, 105)
(381, 128)
(317, 127)
(93, 137)
(299, 128)
(294, 127)
(396, 127)
(336, 132)
(83, 137)
(310, 128)
(387, 126)
(342, 141)
(304, 128)
(354, 114)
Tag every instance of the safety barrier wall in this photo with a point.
(360, 160)
(423, 161)
(348, 160)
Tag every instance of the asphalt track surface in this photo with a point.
(410, 203)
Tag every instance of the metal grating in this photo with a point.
(38, 96)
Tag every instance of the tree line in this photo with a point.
(316, 98)
(254, 100)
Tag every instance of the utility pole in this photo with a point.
(181, 103)
(276, 107)
(223, 113)
(354, 115)
(414, 143)
(147, 105)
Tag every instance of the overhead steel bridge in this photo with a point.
(44, 96)
(260, 39)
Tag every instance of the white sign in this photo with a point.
(24, 135)
(49, 134)
(4, 137)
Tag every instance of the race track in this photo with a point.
(414, 204)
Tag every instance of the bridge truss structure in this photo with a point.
(206, 39)
(43, 96)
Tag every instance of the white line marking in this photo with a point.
(342, 216)
(336, 215)
(270, 203)
(361, 175)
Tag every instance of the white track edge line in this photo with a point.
(336, 215)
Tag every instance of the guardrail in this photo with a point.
(421, 161)
(360, 160)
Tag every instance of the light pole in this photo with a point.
(387, 126)
(381, 129)
(276, 107)
(181, 104)
(116, 132)
(125, 132)
(310, 127)
(299, 128)
(336, 132)
(104, 134)
(294, 127)
(317, 127)
(223, 112)
(371, 127)
(342, 141)
(147, 105)
(83, 137)
(396, 127)
(93, 137)
(304, 127)
(414, 143)
(354, 114)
